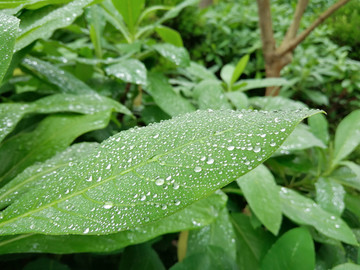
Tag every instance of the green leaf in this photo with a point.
(300, 139)
(240, 66)
(209, 95)
(54, 134)
(63, 80)
(165, 96)
(304, 211)
(129, 70)
(238, 99)
(200, 72)
(347, 136)
(177, 55)
(210, 258)
(226, 74)
(293, 250)
(96, 24)
(259, 188)
(12, 113)
(352, 203)
(45, 264)
(330, 196)
(9, 26)
(199, 214)
(42, 23)
(347, 266)
(319, 127)
(276, 103)
(37, 173)
(143, 174)
(252, 244)
(259, 83)
(348, 175)
(29, 4)
(130, 11)
(170, 36)
(220, 233)
(149, 258)
(172, 13)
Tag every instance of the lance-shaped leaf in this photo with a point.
(9, 25)
(143, 174)
(197, 215)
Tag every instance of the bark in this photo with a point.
(277, 58)
(205, 3)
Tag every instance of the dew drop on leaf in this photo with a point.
(159, 182)
(197, 169)
(108, 205)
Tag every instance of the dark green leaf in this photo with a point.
(259, 188)
(143, 174)
(293, 250)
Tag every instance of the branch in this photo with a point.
(293, 43)
(266, 30)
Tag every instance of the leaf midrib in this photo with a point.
(111, 178)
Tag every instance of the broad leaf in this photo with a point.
(177, 55)
(197, 215)
(220, 233)
(252, 244)
(238, 99)
(41, 24)
(130, 11)
(259, 188)
(330, 195)
(143, 174)
(9, 27)
(54, 134)
(37, 173)
(63, 80)
(226, 74)
(347, 266)
(293, 250)
(209, 95)
(304, 211)
(347, 136)
(165, 96)
(129, 70)
(170, 36)
(198, 71)
(319, 127)
(349, 175)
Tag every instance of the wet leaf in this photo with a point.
(252, 244)
(293, 250)
(30, 4)
(9, 27)
(200, 72)
(54, 134)
(129, 70)
(220, 233)
(165, 96)
(143, 174)
(197, 215)
(209, 95)
(63, 80)
(177, 55)
(347, 136)
(330, 196)
(305, 211)
(12, 113)
(259, 188)
(34, 175)
(349, 175)
(41, 24)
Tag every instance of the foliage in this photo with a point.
(106, 158)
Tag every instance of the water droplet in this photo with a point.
(257, 149)
(231, 147)
(108, 167)
(143, 198)
(277, 120)
(156, 136)
(159, 181)
(177, 202)
(108, 205)
(210, 161)
(164, 206)
(89, 179)
(272, 144)
(86, 230)
(197, 169)
(176, 186)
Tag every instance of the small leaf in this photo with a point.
(177, 55)
(304, 211)
(238, 99)
(199, 214)
(259, 83)
(252, 244)
(9, 27)
(330, 196)
(226, 74)
(220, 233)
(240, 66)
(293, 250)
(259, 188)
(200, 72)
(143, 174)
(130, 11)
(129, 70)
(349, 175)
(42, 23)
(170, 36)
(209, 95)
(347, 266)
(172, 13)
(319, 127)
(165, 96)
(54, 134)
(65, 81)
(347, 136)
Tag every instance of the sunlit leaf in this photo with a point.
(143, 174)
